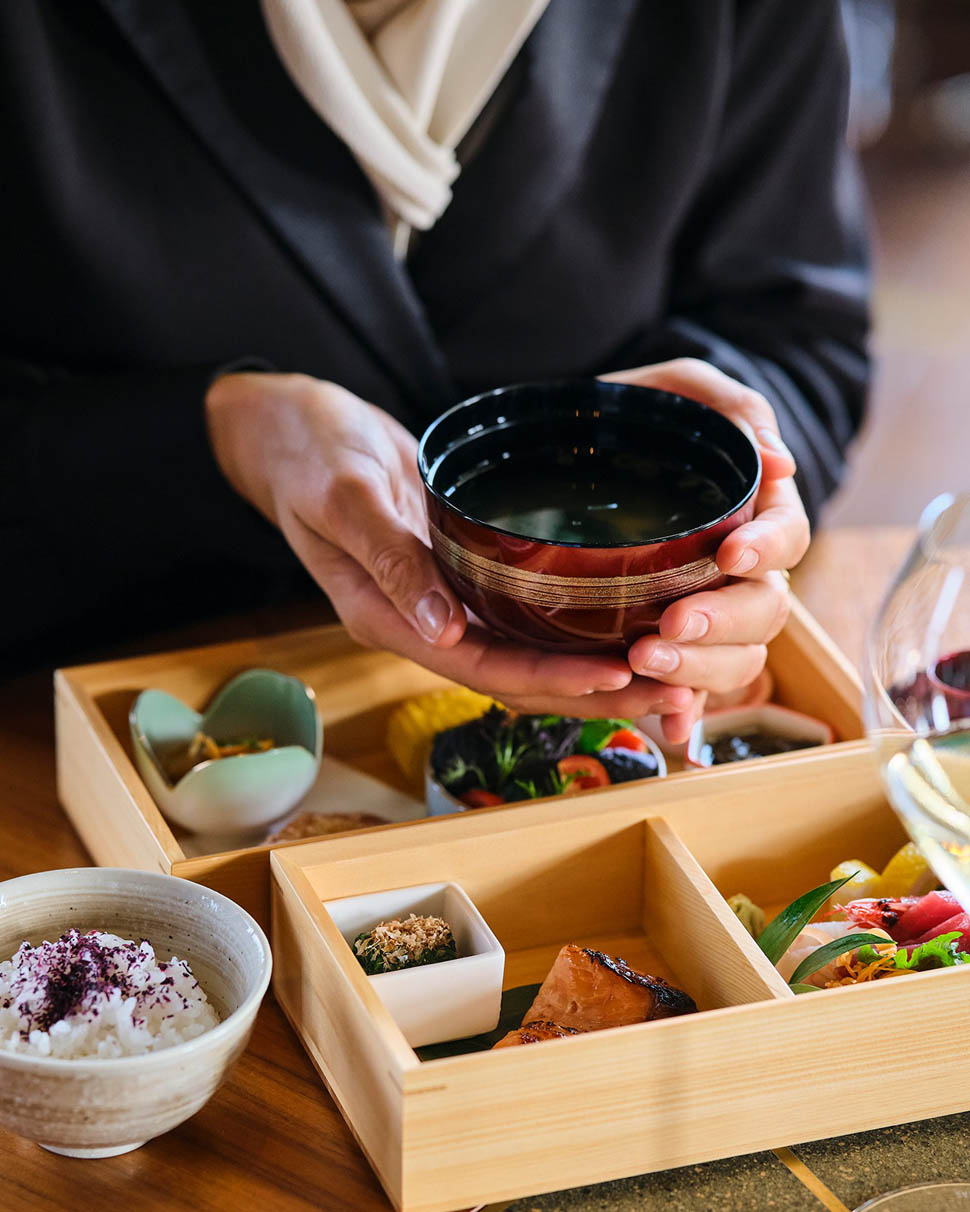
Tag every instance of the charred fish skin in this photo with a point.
(535, 1033)
(592, 991)
(668, 1000)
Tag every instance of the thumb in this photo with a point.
(405, 572)
(400, 564)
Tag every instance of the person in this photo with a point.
(252, 249)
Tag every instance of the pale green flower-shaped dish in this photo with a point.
(231, 794)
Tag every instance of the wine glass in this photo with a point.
(923, 1197)
(917, 698)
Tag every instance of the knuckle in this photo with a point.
(343, 487)
(757, 408)
(804, 536)
(393, 570)
(358, 632)
(301, 387)
(718, 623)
(348, 492)
(676, 615)
(781, 611)
(756, 661)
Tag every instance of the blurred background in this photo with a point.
(910, 121)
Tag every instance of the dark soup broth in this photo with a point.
(591, 497)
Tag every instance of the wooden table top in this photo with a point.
(271, 1138)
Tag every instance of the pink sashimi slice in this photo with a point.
(924, 918)
(960, 922)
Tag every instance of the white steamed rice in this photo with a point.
(98, 995)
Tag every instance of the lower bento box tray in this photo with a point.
(356, 689)
(644, 877)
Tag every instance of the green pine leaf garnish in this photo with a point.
(830, 951)
(779, 935)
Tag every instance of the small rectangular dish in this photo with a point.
(432, 1003)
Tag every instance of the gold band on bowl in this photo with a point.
(578, 593)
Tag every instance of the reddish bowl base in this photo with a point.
(529, 591)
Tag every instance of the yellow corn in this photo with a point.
(414, 724)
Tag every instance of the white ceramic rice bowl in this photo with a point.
(102, 1107)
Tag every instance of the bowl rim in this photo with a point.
(598, 385)
(103, 1065)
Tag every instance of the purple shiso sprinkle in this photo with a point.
(67, 977)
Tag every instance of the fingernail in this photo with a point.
(768, 437)
(744, 563)
(432, 614)
(661, 658)
(695, 627)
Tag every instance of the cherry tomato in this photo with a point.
(626, 738)
(478, 797)
(588, 771)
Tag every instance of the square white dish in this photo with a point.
(433, 1003)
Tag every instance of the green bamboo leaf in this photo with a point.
(830, 951)
(777, 937)
(804, 988)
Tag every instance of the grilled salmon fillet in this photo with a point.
(588, 990)
(534, 1033)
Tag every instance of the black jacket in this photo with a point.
(667, 178)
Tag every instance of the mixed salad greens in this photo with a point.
(502, 757)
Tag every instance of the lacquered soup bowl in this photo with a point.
(575, 597)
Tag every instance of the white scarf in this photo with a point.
(401, 81)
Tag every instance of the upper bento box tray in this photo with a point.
(356, 689)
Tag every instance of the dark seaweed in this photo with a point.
(373, 960)
(750, 745)
(513, 755)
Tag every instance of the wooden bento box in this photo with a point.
(643, 876)
(356, 689)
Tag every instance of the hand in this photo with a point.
(716, 641)
(339, 478)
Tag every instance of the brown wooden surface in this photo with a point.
(271, 1138)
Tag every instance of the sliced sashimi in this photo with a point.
(809, 939)
(589, 991)
(929, 911)
(959, 922)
